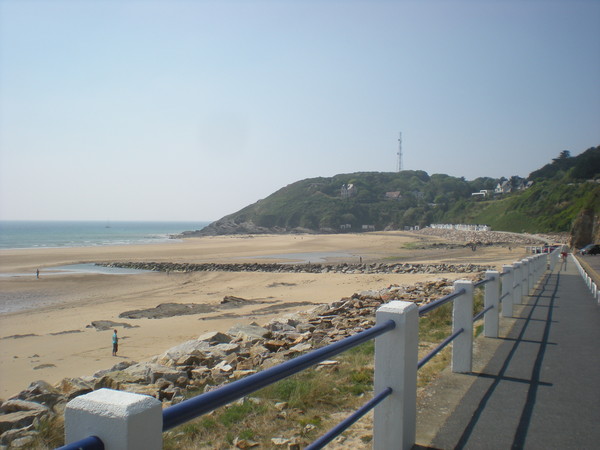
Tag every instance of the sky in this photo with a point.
(191, 110)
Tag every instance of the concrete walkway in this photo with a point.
(541, 387)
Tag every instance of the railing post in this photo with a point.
(396, 354)
(524, 277)
(491, 319)
(543, 266)
(532, 277)
(462, 317)
(517, 282)
(555, 256)
(122, 420)
(507, 290)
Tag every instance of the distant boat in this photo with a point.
(107, 224)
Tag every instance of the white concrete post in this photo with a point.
(396, 354)
(507, 290)
(122, 420)
(491, 319)
(517, 281)
(532, 277)
(462, 317)
(554, 259)
(524, 277)
(543, 266)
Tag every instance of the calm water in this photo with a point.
(41, 234)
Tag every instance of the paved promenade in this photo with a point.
(541, 387)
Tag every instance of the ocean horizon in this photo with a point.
(22, 234)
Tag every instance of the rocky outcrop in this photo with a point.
(229, 226)
(582, 232)
(212, 359)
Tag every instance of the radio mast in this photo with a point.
(400, 153)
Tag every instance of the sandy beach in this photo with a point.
(48, 333)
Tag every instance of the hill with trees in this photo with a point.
(549, 200)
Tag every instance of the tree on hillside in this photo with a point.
(563, 155)
(588, 164)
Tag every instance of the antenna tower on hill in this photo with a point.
(400, 153)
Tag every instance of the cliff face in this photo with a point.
(586, 229)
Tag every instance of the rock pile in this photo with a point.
(484, 237)
(344, 268)
(212, 359)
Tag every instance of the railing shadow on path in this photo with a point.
(533, 382)
(540, 389)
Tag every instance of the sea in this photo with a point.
(58, 234)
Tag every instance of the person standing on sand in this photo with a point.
(115, 341)
(37, 274)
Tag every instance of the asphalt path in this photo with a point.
(541, 387)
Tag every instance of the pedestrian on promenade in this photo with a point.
(563, 257)
(115, 342)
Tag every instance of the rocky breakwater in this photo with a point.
(211, 360)
(376, 268)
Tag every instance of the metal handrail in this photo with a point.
(439, 348)
(480, 314)
(482, 282)
(88, 443)
(439, 302)
(189, 409)
(339, 428)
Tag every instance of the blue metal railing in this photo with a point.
(481, 313)
(439, 348)
(342, 426)
(202, 404)
(88, 443)
(439, 302)
(482, 282)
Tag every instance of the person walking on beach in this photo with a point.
(115, 341)
(37, 274)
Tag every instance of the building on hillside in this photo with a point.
(481, 194)
(460, 226)
(503, 188)
(393, 195)
(348, 190)
(346, 227)
(368, 227)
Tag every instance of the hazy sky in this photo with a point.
(190, 110)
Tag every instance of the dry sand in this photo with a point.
(51, 340)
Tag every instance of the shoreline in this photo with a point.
(55, 339)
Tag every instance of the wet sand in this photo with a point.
(51, 336)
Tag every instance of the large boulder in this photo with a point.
(74, 387)
(156, 371)
(18, 419)
(215, 337)
(11, 406)
(41, 392)
(251, 332)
